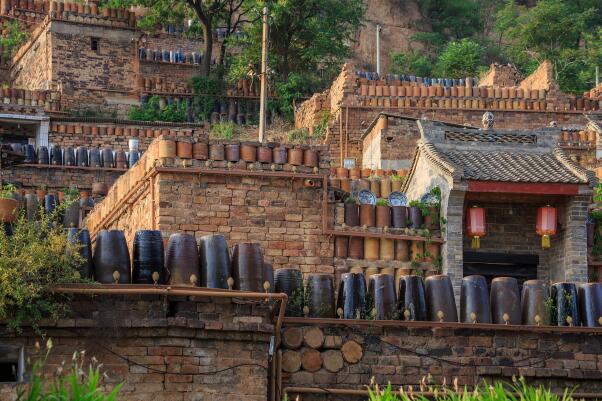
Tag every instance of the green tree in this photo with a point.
(12, 38)
(460, 59)
(152, 111)
(414, 62)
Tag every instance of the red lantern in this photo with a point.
(475, 225)
(546, 224)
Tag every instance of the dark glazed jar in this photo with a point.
(247, 267)
(85, 268)
(320, 289)
(182, 260)
(590, 304)
(382, 293)
(148, 254)
(111, 258)
(215, 261)
(564, 296)
(440, 299)
(412, 299)
(533, 303)
(505, 301)
(474, 300)
(290, 281)
(351, 301)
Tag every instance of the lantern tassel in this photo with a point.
(545, 241)
(476, 242)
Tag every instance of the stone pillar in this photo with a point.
(452, 250)
(575, 241)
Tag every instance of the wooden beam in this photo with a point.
(538, 188)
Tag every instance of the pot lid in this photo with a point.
(397, 198)
(429, 199)
(366, 197)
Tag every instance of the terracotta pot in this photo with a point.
(341, 246)
(564, 296)
(184, 150)
(440, 299)
(295, 156)
(367, 215)
(385, 187)
(182, 260)
(382, 292)
(375, 187)
(355, 173)
(474, 300)
(334, 182)
(399, 216)
(352, 217)
(412, 298)
(387, 249)
(247, 267)
(505, 301)
(415, 217)
(264, 154)
(8, 210)
(233, 152)
(85, 267)
(356, 248)
(215, 261)
(342, 172)
(402, 250)
(290, 282)
(248, 152)
(364, 183)
(148, 265)
(279, 154)
(366, 172)
(352, 296)
(371, 246)
(383, 216)
(533, 303)
(320, 289)
(200, 151)
(216, 151)
(345, 184)
(590, 304)
(120, 159)
(396, 185)
(111, 258)
(310, 158)
(167, 148)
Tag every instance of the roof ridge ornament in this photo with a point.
(487, 120)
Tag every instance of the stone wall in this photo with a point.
(58, 177)
(500, 75)
(162, 348)
(32, 66)
(390, 144)
(404, 354)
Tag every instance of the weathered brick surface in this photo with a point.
(161, 348)
(57, 178)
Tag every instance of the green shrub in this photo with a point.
(68, 383)
(225, 130)
(382, 202)
(208, 91)
(152, 111)
(7, 191)
(298, 135)
(322, 126)
(35, 258)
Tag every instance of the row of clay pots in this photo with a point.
(381, 187)
(371, 248)
(95, 130)
(181, 262)
(452, 91)
(357, 173)
(480, 104)
(39, 6)
(157, 84)
(24, 94)
(385, 216)
(82, 157)
(245, 151)
(58, 9)
(579, 136)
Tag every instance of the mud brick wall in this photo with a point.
(167, 41)
(500, 75)
(57, 178)
(32, 67)
(308, 115)
(172, 75)
(162, 348)
(404, 355)
(390, 144)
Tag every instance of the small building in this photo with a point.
(509, 173)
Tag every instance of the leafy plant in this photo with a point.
(208, 91)
(223, 130)
(298, 135)
(396, 177)
(382, 202)
(12, 38)
(72, 383)
(351, 200)
(321, 128)
(152, 111)
(7, 191)
(35, 258)
(460, 59)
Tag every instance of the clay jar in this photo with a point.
(247, 267)
(474, 300)
(341, 245)
(200, 151)
(441, 306)
(396, 184)
(387, 249)
(248, 152)
(431, 221)
(264, 154)
(148, 258)
(533, 303)
(342, 172)
(320, 295)
(383, 216)
(399, 216)
(216, 151)
(279, 155)
(111, 258)
(310, 158)
(415, 217)
(564, 296)
(295, 156)
(290, 282)
(367, 215)
(352, 218)
(182, 260)
(371, 248)
(412, 299)
(352, 296)
(505, 301)
(233, 152)
(382, 291)
(356, 248)
(184, 150)
(590, 304)
(167, 148)
(86, 267)
(355, 173)
(214, 261)
(385, 187)
(375, 187)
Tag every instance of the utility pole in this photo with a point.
(597, 75)
(263, 101)
(378, 29)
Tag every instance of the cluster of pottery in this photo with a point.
(60, 9)
(95, 130)
(372, 248)
(31, 5)
(380, 182)
(578, 138)
(80, 156)
(27, 97)
(237, 151)
(396, 79)
(247, 88)
(169, 56)
(158, 84)
(182, 262)
(383, 215)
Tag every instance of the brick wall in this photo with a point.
(390, 143)
(31, 67)
(162, 348)
(407, 353)
(55, 178)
